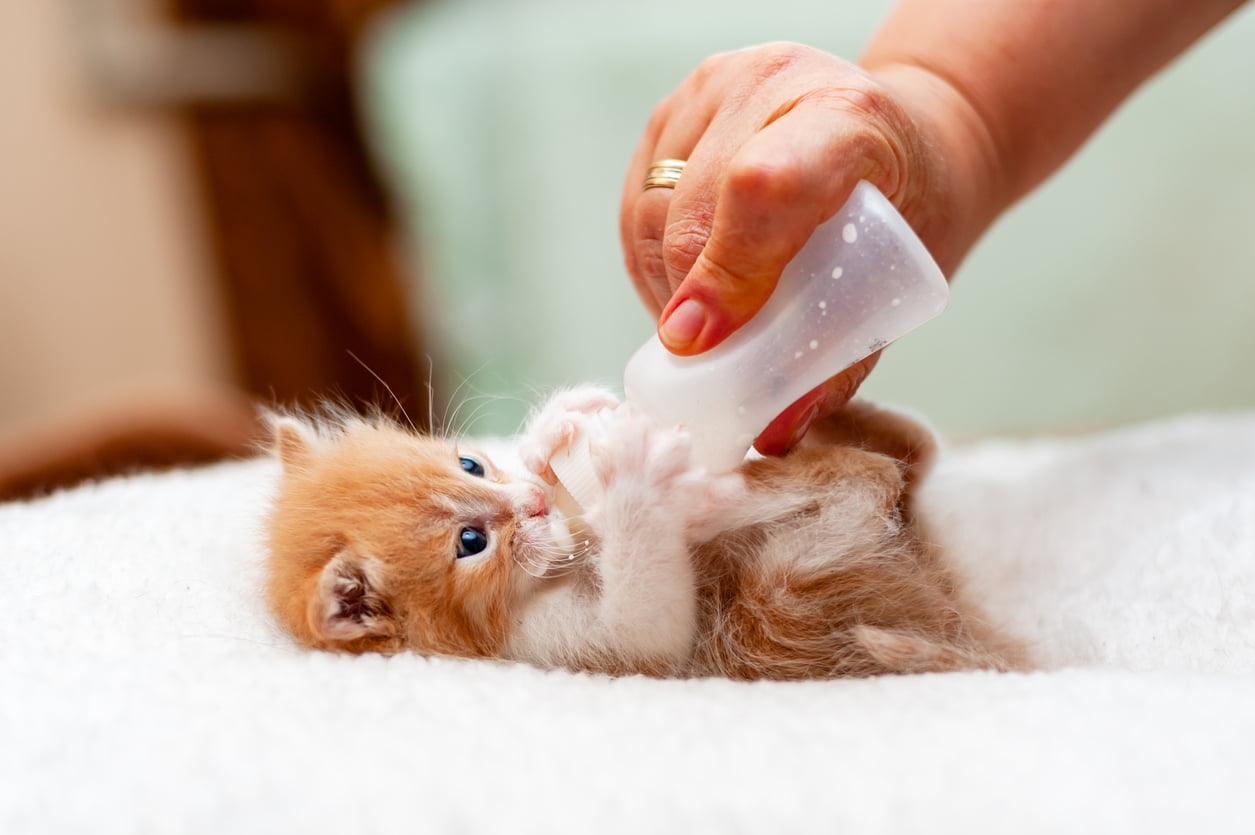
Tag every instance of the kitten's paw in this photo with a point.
(642, 468)
(631, 448)
(557, 423)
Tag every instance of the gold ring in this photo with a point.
(664, 173)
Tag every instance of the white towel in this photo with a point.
(144, 689)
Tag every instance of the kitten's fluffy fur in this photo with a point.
(807, 566)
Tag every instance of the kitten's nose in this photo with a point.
(535, 504)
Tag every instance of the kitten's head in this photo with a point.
(384, 540)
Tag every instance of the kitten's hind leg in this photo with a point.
(865, 426)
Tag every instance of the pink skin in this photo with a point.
(535, 505)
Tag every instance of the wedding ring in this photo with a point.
(664, 173)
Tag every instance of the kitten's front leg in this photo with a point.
(557, 423)
(648, 597)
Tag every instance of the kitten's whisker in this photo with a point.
(583, 545)
(386, 387)
(486, 401)
(482, 403)
(431, 395)
(552, 560)
(457, 424)
(559, 573)
(455, 402)
(538, 394)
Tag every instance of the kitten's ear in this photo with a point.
(291, 439)
(350, 603)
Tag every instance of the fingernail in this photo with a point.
(682, 326)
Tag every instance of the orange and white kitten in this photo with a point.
(807, 566)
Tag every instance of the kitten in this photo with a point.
(807, 566)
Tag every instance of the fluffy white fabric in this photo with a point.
(145, 689)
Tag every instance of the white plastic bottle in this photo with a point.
(863, 280)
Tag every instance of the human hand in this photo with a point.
(775, 139)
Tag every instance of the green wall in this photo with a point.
(1123, 289)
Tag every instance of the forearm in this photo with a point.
(1013, 87)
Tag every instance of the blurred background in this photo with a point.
(206, 204)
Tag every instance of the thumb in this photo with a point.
(773, 194)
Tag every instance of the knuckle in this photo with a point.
(763, 185)
(713, 65)
(707, 68)
(650, 262)
(685, 241)
(752, 66)
(859, 98)
(878, 133)
(770, 59)
(740, 287)
(660, 115)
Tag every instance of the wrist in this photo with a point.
(967, 184)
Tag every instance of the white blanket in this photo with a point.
(144, 689)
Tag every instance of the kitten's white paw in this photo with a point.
(648, 471)
(558, 422)
(642, 467)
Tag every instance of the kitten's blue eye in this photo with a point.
(471, 466)
(471, 541)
